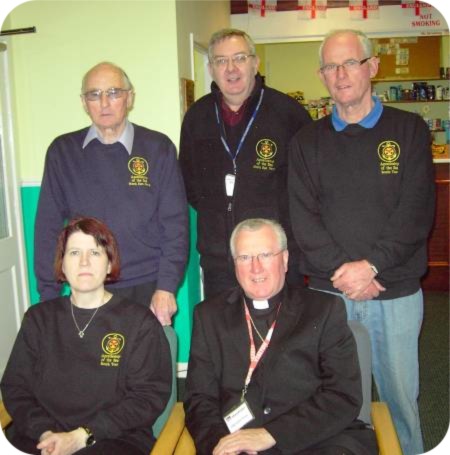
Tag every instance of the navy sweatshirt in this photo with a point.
(140, 197)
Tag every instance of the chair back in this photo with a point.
(363, 345)
(173, 343)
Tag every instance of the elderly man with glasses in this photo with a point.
(233, 155)
(273, 369)
(128, 177)
(362, 203)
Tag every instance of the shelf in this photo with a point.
(415, 79)
(441, 160)
(416, 101)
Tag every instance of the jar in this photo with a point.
(406, 94)
(423, 96)
(393, 93)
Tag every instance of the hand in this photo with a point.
(352, 278)
(250, 441)
(371, 292)
(65, 443)
(49, 449)
(163, 305)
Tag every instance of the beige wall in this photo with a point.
(72, 36)
(202, 18)
(292, 66)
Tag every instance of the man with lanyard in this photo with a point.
(128, 177)
(362, 202)
(233, 155)
(273, 369)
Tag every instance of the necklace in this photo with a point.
(81, 332)
(257, 331)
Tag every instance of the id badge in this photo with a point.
(238, 416)
(229, 184)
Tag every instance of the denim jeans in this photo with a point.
(394, 327)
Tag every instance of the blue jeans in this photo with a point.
(394, 327)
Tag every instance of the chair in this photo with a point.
(372, 412)
(175, 438)
(5, 418)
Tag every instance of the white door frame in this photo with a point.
(14, 296)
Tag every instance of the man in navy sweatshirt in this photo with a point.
(128, 177)
(362, 203)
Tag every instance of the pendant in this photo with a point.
(81, 334)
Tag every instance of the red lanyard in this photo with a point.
(256, 356)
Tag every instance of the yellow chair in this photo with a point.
(175, 437)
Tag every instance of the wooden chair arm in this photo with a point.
(5, 418)
(186, 444)
(387, 439)
(171, 432)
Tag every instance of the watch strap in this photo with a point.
(374, 269)
(90, 440)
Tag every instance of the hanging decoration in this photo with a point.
(312, 9)
(262, 7)
(363, 9)
(415, 7)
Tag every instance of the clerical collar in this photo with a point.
(126, 138)
(369, 121)
(263, 304)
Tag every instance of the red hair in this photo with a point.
(103, 237)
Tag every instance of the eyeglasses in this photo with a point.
(238, 60)
(112, 94)
(348, 65)
(263, 258)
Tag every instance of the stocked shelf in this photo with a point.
(416, 101)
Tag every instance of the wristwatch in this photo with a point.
(90, 441)
(374, 269)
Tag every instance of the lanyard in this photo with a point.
(256, 356)
(244, 135)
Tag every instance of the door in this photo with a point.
(13, 280)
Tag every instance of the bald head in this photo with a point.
(109, 67)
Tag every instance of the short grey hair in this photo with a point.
(255, 224)
(366, 43)
(126, 80)
(225, 33)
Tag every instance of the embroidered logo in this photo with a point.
(266, 149)
(139, 169)
(112, 345)
(388, 152)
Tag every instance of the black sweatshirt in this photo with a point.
(116, 380)
(363, 194)
(261, 175)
